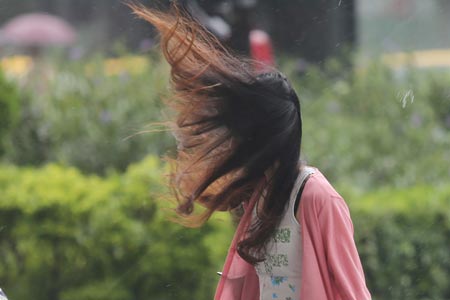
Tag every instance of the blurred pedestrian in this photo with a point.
(239, 135)
(261, 49)
(215, 24)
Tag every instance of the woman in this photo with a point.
(239, 135)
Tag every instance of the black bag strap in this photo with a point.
(299, 195)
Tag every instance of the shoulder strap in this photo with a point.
(304, 176)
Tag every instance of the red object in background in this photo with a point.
(261, 49)
(401, 8)
(37, 29)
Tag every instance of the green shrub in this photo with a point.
(367, 127)
(64, 235)
(90, 114)
(439, 94)
(373, 127)
(68, 236)
(9, 107)
(403, 238)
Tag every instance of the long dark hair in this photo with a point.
(234, 129)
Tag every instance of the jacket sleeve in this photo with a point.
(340, 250)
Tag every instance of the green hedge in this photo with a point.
(91, 114)
(64, 235)
(403, 238)
(373, 127)
(9, 109)
(68, 236)
(367, 126)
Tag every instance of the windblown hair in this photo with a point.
(238, 132)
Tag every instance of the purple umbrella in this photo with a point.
(37, 29)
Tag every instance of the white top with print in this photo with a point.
(280, 274)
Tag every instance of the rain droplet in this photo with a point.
(406, 97)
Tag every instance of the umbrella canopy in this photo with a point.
(37, 29)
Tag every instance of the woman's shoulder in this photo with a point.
(318, 192)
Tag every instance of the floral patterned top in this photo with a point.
(280, 274)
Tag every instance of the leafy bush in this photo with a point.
(68, 236)
(373, 127)
(403, 237)
(64, 235)
(368, 126)
(9, 106)
(90, 114)
(440, 98)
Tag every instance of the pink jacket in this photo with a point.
(331, 268)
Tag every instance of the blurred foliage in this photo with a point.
(16, 65)
(368, 126)
(92, 115)
(68, 236)
(64, 235)
(381, 135)
(440, 99)
(403, 237)
(9, 109)
(374, 126)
